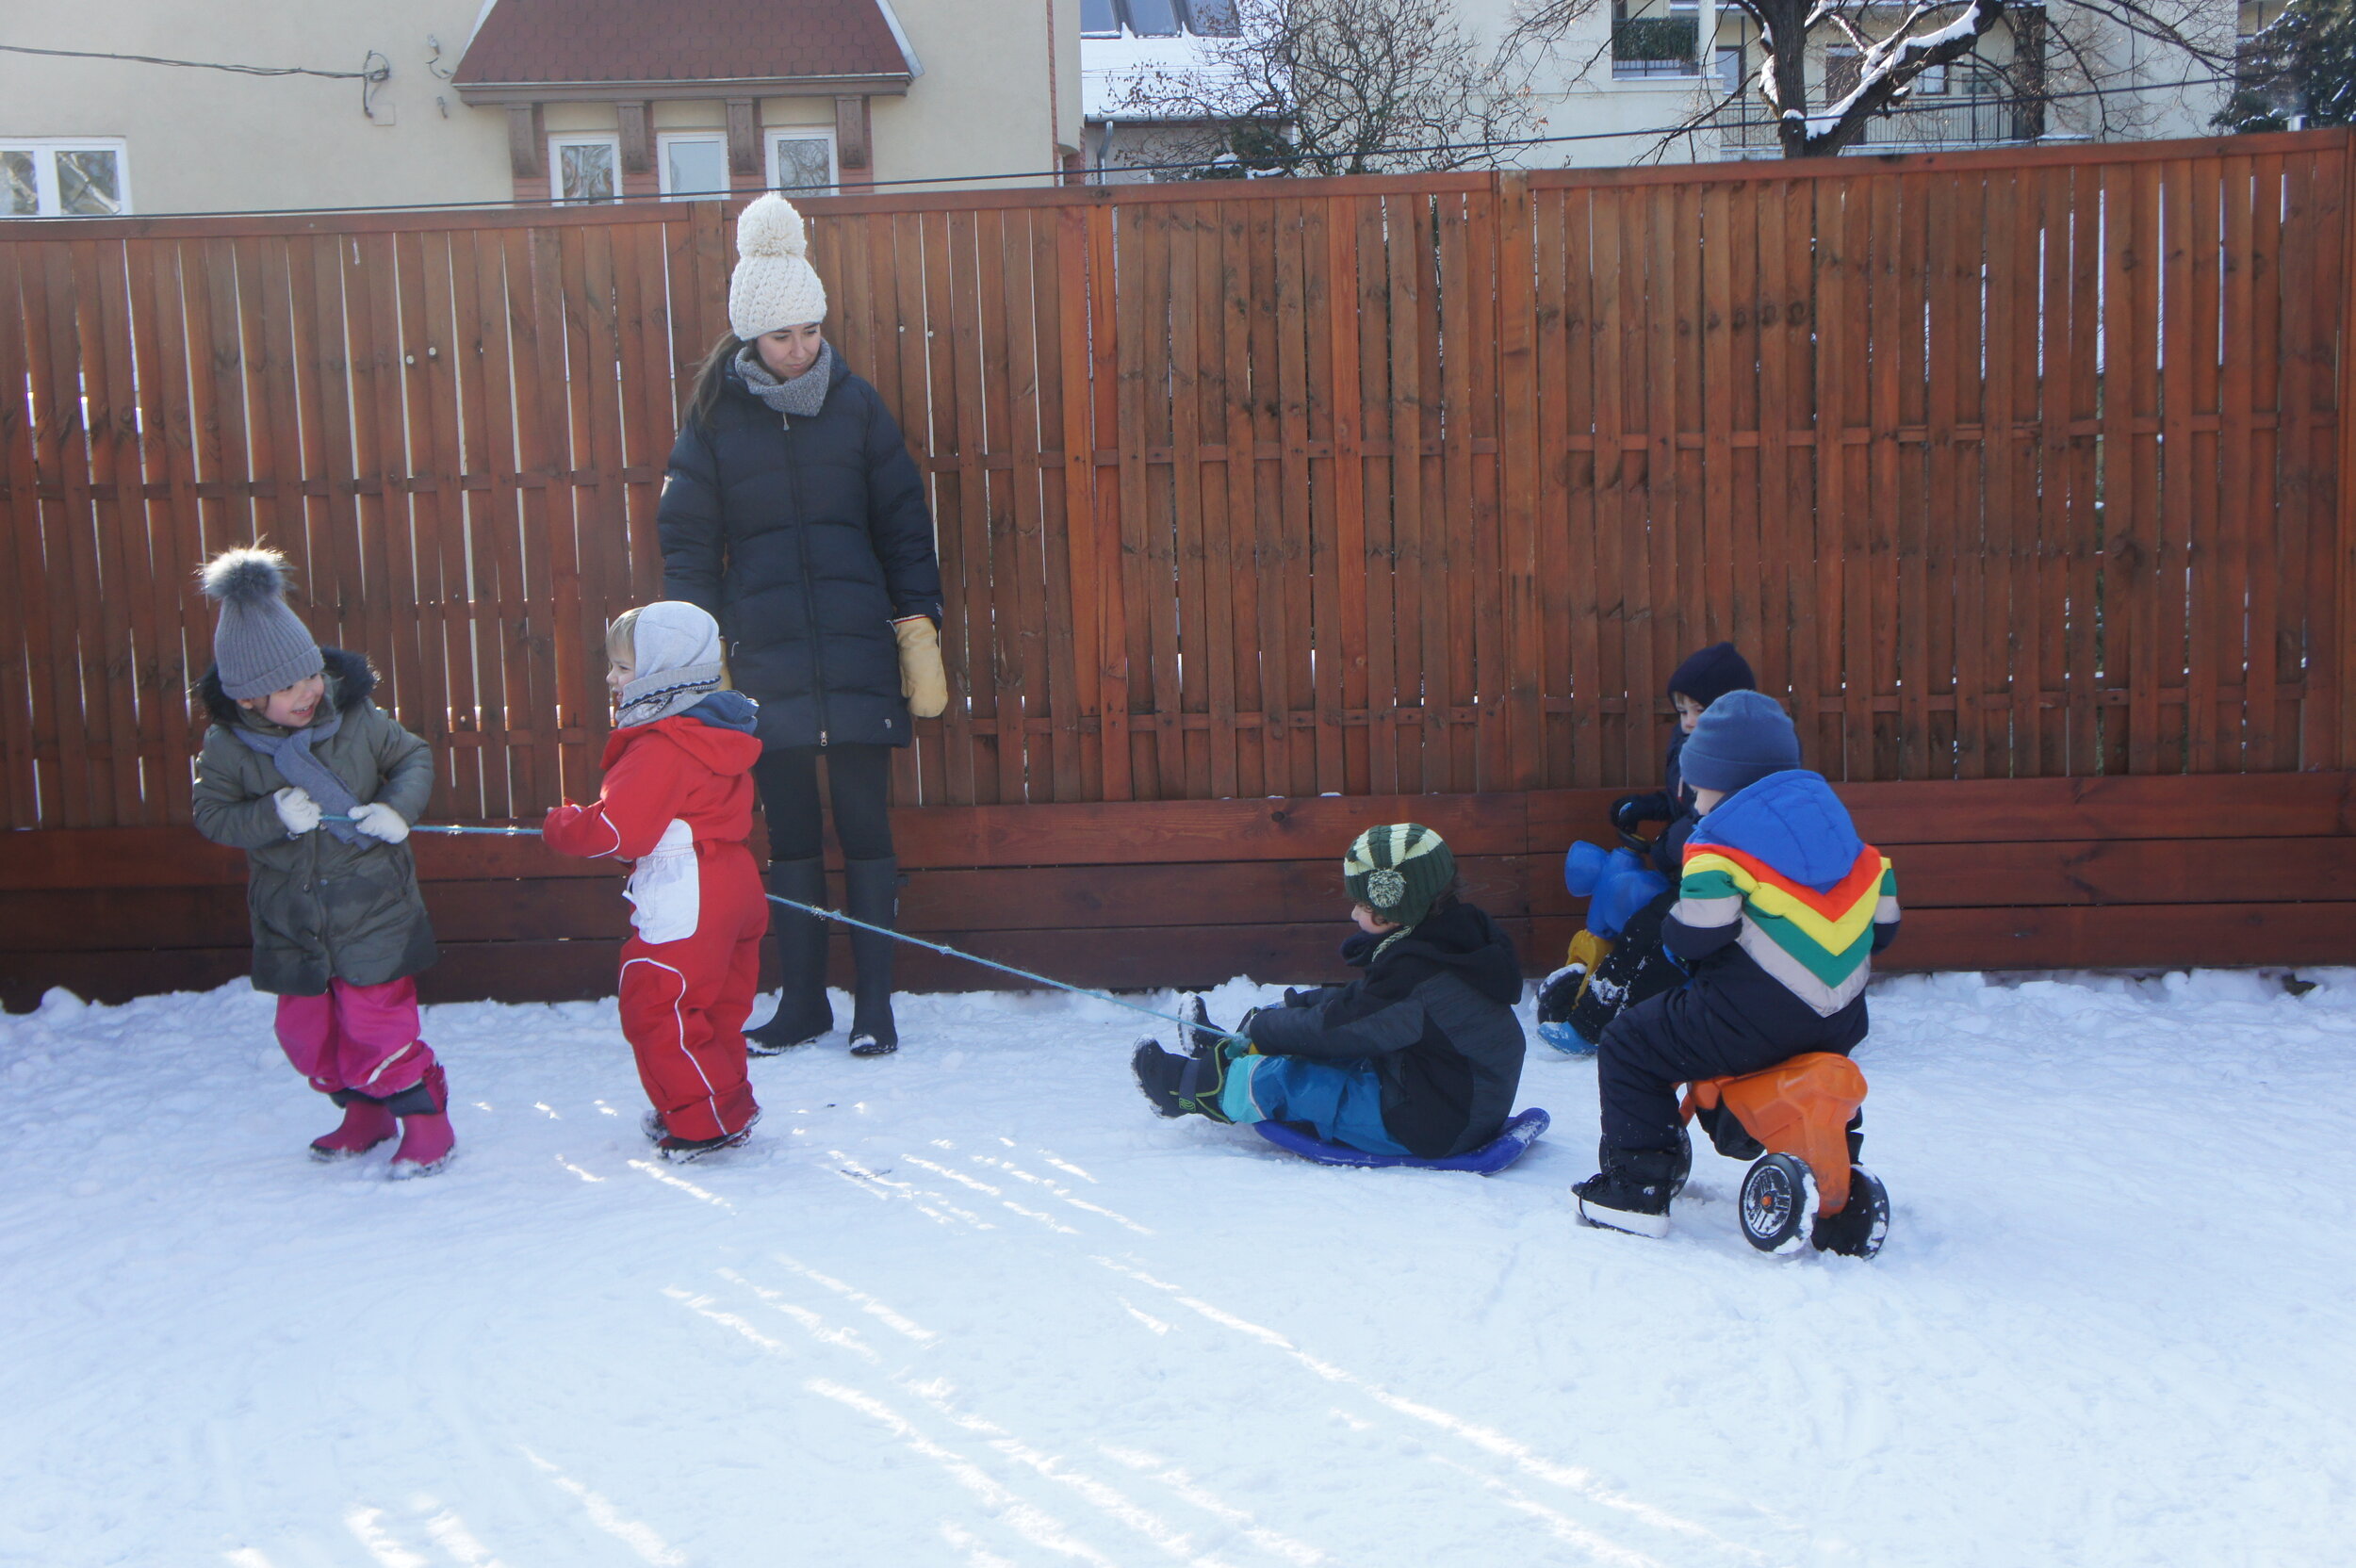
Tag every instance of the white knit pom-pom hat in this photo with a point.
(773, 284)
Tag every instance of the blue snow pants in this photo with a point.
(1340, 1101)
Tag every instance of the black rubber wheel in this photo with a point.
(1778, 1203)
(1858, 1230)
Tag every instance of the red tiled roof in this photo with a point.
(683, 40)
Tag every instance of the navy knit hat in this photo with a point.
(1712, 674)
(1740, 739)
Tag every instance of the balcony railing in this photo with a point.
(1656, 46)
(1949, 120)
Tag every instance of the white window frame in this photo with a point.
(45, 149)
(771, 135)
(665, 141)
(561, 140)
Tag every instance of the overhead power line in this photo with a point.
(365, 73)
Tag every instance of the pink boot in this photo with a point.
(367, 1124)
(426, 1140)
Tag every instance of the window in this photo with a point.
(1932, 83)
(1153, 18)
(585, 168)
(1843, 70)
(1731, 69)
(63, 179)
(1212, 18)
(802, 161)
(1655, 45)
(693, 165)
(1161, 18)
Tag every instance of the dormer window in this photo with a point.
(1158, 18)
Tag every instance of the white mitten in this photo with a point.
(296, 809)
(380, 820)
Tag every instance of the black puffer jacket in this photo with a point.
(1434, 1013)
(805, 544)
(1672, 803)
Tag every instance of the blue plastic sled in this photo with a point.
(1512, 1142)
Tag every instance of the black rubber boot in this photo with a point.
(1633, 1191)
(872, 893)
(1182, 1086)
(803, 1013)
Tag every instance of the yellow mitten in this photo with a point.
(922, 679)
(1587, 949)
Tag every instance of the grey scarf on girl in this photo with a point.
(291, 753)
(798, 399)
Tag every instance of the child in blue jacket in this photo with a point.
(1781, 908)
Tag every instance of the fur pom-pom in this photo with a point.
(771, 227)
(246, 576)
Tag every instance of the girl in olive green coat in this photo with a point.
(319, 786)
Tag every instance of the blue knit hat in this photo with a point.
(1739, 739)
(1712, 674)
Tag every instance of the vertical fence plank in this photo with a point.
(119, 522)
(1573, 609)
(1183, 534)
(2174, 329)
(62, 467)
(1519, 458)
(2264, 499)
(174, 548)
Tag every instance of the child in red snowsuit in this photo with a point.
(677, 799)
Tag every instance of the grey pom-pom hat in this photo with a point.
(259, 645)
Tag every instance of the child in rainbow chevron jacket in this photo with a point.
(1780, 912)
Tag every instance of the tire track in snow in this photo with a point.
(1037, 1526)
(1571, 1478)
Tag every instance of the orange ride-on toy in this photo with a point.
(1806, 1189)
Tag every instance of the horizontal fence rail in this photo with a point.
(1996, 464)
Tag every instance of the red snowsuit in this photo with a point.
(684, 1001)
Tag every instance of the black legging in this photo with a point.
(859, 779)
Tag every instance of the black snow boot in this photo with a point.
(803, 1012)
(1181, 1086)
(1202, 1035)
(872, 893)
(1632, 1192)
(680, 1150)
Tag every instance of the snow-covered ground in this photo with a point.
(975, 1305)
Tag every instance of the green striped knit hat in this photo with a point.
(1398, 870)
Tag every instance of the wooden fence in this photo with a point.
(1998, 466)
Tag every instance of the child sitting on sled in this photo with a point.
(1779, 910)
(677, 799)
(1420, 1056)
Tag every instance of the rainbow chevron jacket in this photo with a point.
(1779, 871)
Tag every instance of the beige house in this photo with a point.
(396, 103)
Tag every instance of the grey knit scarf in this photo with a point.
(798, 399)
(290, 750)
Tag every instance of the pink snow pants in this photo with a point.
(361, 1038)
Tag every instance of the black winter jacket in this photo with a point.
(805, 543)
(1672, 803)
(1434, 1013)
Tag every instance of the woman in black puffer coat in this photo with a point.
(793, 513)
